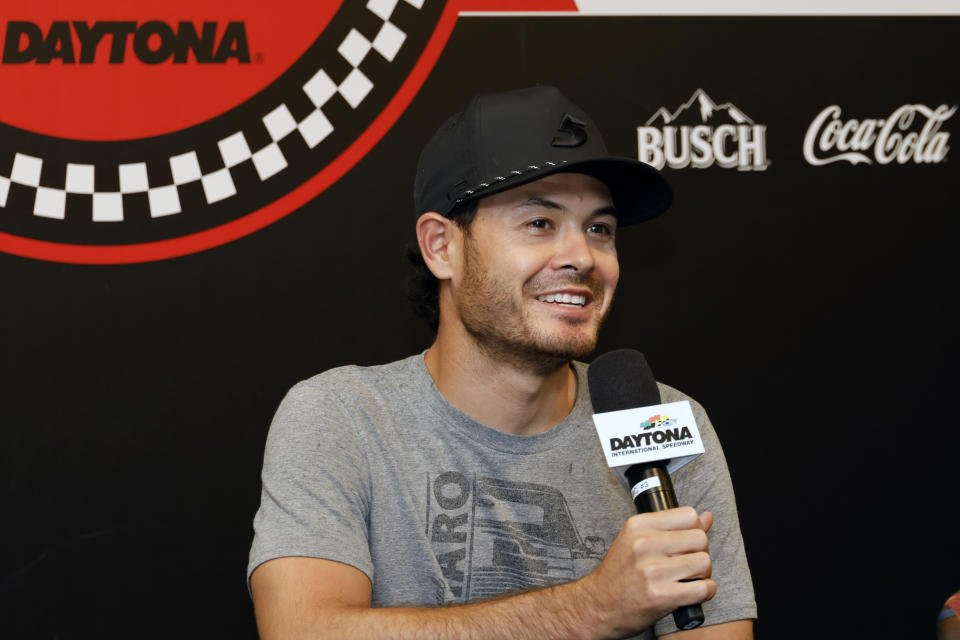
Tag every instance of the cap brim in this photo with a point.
(638, 190)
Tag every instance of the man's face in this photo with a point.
(539, 270)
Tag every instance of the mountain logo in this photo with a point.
(701, 133)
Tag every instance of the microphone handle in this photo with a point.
(660, 498)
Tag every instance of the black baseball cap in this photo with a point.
(503, 140)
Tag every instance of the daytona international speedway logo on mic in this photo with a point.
(702, 133)
(142, 131)
(645, 434)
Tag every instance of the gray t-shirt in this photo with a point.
(372, 467)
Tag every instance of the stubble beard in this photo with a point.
(503, 330)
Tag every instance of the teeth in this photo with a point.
(563, 298)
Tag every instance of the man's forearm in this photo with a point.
(558, 612)
(643, 577)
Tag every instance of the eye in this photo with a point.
(601, 229)
(540, 224)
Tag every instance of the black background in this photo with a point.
(812, 310)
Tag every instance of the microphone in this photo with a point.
(649, 437)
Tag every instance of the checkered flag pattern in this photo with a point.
(234, 150)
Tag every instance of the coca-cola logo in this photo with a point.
(912, 133)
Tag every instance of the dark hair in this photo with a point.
(423, 288)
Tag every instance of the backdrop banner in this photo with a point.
(202, 203)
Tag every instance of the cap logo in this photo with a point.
(573, 132)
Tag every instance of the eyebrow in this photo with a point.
(542, 202)
(550, 204)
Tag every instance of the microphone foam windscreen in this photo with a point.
(621, 379)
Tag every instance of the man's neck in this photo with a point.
(499, 394)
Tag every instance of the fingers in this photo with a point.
(706, 520)
(686, 566)
(660, 561)
(690, 566)
(681, 579)
(695, 592)
(673, 520)
(671, 543)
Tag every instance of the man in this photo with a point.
(471, 475)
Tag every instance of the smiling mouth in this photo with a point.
(564, 299)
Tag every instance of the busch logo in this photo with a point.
(714, 134)
(902, 137)
(153, 42)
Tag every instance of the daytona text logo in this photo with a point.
(154, 42)
(650, 438)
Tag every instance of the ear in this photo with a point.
(435, 235)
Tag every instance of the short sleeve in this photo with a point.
(316, 487)
(705, 485)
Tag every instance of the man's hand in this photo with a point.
(637, 583)
(640, 580)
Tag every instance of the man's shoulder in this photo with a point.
(348, 380)
(672, 394)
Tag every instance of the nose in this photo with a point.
(573, 251)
